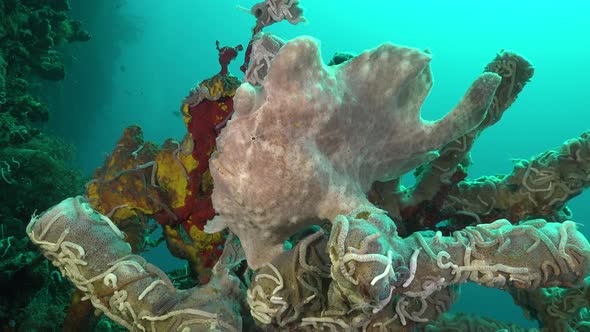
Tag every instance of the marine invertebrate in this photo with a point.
(5, 170)
(269, 12)
(31, 33)
(126, 185)
(310, 142)
(376, 277)
(141, 180)
(135, 294)
(466, 322)
(172, 183)
(35, 169)
(226, 55)
(265, 47)
(538, 187)
(304, 145)
(557, 309)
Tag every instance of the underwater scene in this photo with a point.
(294, 165)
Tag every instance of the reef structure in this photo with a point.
(302, 167)
(172, 183)
(35, 169)
(132, 292)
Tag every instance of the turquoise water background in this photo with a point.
(147, 54)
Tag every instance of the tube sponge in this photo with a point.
(90, 251)
(375, 279)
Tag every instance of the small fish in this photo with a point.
(122, 68)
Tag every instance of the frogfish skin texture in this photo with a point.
(311, 140)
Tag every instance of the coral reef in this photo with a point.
(171, 183)
(33, 293)
(30, 32)
(33, 174)
(536, 188)
(34, 167)
(464, 322)
(369, 266)
(557, 309)
(139, 181)
(296, 174)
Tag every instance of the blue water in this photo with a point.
(139, 72)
